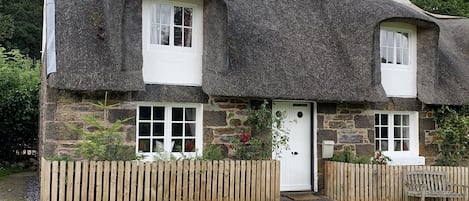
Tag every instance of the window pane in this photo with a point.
(384, 145)
(155, 17)
(376, 119)
(389, 38)
(405, 120)
(190, 130)
(155, 34)
(177, 114)
(377, 132)
(188, 17)
(158, 129)
(405, 145)
(398, 39)
(190, 114)
(177, 129)
(165, 14)
(397, 120)
(390, 55)
(177, 15)
(397, 132)
(189, 145)
(405, 40)
(144, 113)
(398, 56)
(177, 36)
(164, 35)
(397, 145)
(187, 37)
(382, 38)
(144, 129)
(384, 119)
(384, 132)
(158, 145)
(177, 146)
(144, 145)
(405, 132)
(405, 56)
(158, 113)
(377, 148)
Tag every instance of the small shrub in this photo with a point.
(347, 156)
(212, 152)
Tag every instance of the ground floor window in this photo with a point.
(396, 134)
(173, 128)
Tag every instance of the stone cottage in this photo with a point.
(365, 74)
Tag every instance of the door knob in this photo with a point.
(294, 153)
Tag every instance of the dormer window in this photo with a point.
(172, 42)
(171, 25)
(398, 59)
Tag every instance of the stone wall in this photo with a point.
(62, 109)
(352, 125)
(224, 118)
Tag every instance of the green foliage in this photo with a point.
(106, 141)
(380, 158)
(212, 152)
(452, 136)
(58, 158)
(5, 171)
(447, 7)
(348, 156)
(19, 100)
(269, 136)
(21, 26)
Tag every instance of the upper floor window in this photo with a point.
(398, 55)
(171, 25)
(172, 42)
(394, 47)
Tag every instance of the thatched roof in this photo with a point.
(324, 50)
(318, 50)
(98, 45)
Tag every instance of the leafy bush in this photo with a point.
(348, 156)
(452, 136)
(106, 141)
(19, 103)
(212, 152)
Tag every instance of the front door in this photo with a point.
(295, 163)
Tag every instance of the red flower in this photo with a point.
(230, 146)
(245, 137)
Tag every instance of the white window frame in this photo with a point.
(400, 80)
(168, 143)
(410, 156)
(169, 64)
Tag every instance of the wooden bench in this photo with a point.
(432, 184)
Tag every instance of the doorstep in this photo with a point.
(302, 196)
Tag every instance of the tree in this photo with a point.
(21, 26)
(19, 100)
(446, 7)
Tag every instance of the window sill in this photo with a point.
(407, 160)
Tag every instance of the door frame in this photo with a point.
(314, 140)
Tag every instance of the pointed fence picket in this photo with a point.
(163, 180)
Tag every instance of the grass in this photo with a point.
(4, 171)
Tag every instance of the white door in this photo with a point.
(295, 163)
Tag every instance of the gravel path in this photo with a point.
(32, 193)
(14, 187)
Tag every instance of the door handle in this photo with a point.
(294, 153)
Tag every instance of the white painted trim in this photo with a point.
(199, 126)
(315, 143)
(315, 157)
(410, 157)
(390, 73)
(50, 37)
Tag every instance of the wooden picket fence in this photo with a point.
(355, 182)
(164, 180)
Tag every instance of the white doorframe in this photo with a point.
(314, 142)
